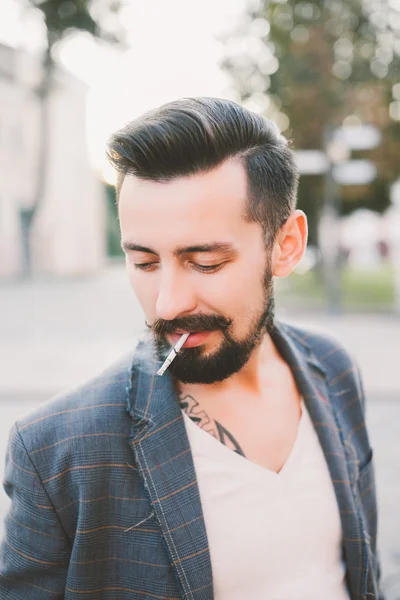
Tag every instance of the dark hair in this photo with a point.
(195, 135)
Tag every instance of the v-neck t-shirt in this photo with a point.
(272, 536)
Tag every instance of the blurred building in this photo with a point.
(69, 230)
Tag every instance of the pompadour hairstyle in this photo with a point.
(195, 135)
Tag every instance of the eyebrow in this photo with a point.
(218, 247)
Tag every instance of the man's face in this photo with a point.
(197, 266)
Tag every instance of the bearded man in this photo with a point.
(244, 472)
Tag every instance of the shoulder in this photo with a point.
(334, 359)
(321, 342)
(79, 410)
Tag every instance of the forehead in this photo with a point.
(201, 207)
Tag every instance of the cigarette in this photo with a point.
(173, 354)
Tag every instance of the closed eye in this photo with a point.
(207, 268)
(145, 266)
(149, 266)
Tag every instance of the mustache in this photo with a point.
(192, 324)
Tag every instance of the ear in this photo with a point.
(290, 244)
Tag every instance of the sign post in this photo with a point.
(337, 153)
(334, 163)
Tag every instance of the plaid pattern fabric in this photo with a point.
(105, 503)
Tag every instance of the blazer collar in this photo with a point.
(162, 452)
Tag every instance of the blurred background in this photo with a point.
(73, 71)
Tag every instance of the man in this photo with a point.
(245, 471)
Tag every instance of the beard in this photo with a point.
(191, 365)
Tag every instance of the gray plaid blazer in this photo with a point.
(104, 498)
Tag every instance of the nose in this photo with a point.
(175, 297)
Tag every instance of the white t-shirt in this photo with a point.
(271, 536)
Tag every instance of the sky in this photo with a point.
(175, 48)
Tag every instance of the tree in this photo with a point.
(312, 64)
(62, 18)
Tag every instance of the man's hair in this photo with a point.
(195, 135)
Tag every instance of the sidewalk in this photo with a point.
(56, 334)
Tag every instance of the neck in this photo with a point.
(250, 379)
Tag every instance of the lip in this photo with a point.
(194, 339)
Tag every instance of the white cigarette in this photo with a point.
(173, 353)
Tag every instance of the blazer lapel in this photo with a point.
(164, 461)
(310, 378)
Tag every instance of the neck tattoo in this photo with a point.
(192, 408)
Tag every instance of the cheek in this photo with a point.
(237, 294)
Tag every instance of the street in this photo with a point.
(53, 335)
